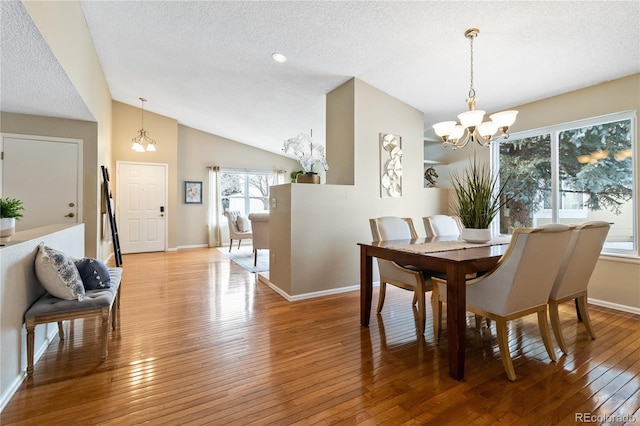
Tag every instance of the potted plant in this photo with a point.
(308, 154)
(10, 210)
(294, 175)
(479, 197)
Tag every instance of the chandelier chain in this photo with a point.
(142, 101)
(472, 92)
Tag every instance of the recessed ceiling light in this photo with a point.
(279, 57)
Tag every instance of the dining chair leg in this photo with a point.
(578, 310)
(503, 343)
(544, 332)
(555, 325)
(255, 257)
(584, 313)
(478, 322)
(415, 298)
(230, 244)
(436, 308)
(239, 241)
(422, 309)
(383, 291)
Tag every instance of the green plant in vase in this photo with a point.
(479, 197)
(10, 211)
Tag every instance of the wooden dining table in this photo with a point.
(448, 255)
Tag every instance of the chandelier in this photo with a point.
(142, 142)
(471, 126)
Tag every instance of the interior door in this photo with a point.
(46, 174)
(141, 206)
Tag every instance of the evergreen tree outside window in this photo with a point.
(573, 173)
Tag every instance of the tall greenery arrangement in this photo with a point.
(479, 195)
(11, 208)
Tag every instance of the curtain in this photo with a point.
(213, 208)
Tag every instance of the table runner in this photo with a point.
(437, 246)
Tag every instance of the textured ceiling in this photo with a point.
(31, 79)
(208, 64)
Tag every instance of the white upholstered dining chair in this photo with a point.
(519, 285)
(442, 224)
(396, 228)
(572, 280)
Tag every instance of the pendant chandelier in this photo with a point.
(471, 126)
(142, 142)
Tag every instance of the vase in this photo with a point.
(308, 178)
(7, 226)
(473, 235)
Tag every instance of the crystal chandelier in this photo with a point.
(471, 126)
(142, 142)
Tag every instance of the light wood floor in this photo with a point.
(201, 342)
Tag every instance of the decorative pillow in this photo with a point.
(244, 225)
(94, 274)
(58, 274)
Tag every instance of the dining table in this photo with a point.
(445, 254)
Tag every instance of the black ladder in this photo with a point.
(112, 218)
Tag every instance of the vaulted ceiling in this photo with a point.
(209, 64)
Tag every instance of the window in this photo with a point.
(245, 191)
(573, 173)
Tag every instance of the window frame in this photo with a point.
(246, 196)
(554, 132)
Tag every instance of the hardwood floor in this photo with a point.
(200, 341)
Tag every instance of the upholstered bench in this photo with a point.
(102, 303)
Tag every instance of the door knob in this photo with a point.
(69, 215)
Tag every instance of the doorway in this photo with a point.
(46, 174)
(141, 207)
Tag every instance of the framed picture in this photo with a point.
(192, 192)
(390, 165)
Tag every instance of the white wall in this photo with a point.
(19, 288)
(315, 229)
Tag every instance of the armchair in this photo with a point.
(235, 233)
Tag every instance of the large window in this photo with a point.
(245, 191)
(573, 173)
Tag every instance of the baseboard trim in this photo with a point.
(192, 246)
(311, 295)
(616, 306)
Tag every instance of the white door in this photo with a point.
(141, 210)
(46, 174)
